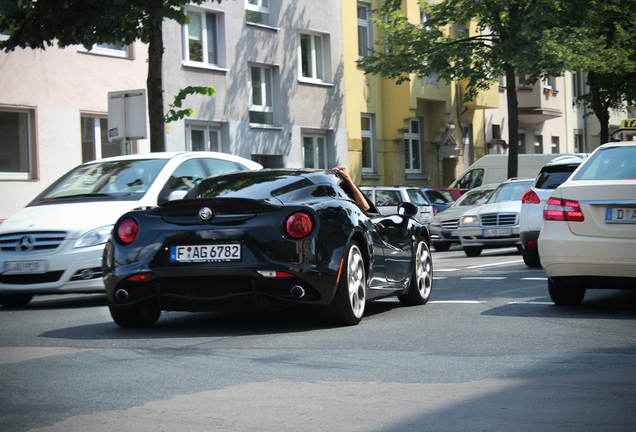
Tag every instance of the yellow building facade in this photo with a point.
(417, 133)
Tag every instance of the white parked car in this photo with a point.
(496, 223)
(388, 198)
(550, 177)
(54, 245)
(588, 236)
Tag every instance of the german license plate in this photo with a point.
(206, 253)
(23, 267)
(619, 215)
(453, 233)
(498, 232)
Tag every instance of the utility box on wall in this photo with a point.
(127, 115)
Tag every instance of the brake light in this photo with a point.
(299, 225)
(530, 197)
(558, 209)
(140, 277)
(127, 230)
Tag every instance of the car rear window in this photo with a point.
(551, 177)
(417, 197)
(610, 163)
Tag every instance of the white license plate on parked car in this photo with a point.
(23, 267)
(497, 232)
(620, 215)
(206, 253)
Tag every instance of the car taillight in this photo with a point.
(299, 225)
(558, 209)
(530, 197)
(127, 230)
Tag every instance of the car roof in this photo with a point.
(170, 155)
(566, 160)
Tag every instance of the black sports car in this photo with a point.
(264, 239)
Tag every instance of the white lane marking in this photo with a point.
(446, 270)
(496, 264)
(535, 278)
(457, 301)
(531, 303)
(484, 278)
(439, 277)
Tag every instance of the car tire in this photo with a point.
(15, 300)
(442, 246)
(144, 314)
(472, 251)
(531, 257)
(421, 285)
(351, 292)
(565, 295)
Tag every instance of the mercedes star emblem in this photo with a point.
(25, 244)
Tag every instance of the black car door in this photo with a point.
(396, 242)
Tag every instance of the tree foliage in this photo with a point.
(174, 114)
(510, 41)
(603, 47)
(39, 24)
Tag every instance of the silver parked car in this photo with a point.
(388, 198)
(496, 223)
(444, 225)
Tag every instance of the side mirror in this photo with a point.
(177, 195)
(481, 201)
(407, 209)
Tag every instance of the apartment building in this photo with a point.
(53, 113)
(416, 133)
(277, 67)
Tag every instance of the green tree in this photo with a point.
(604, 48)
(38, 24)
(510, 42)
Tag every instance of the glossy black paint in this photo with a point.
(250, 208)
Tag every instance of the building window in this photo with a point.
(312, 56)
(261, 108)
(203, 38)
(15, 145)
(412, 147)
(113, 50)
(577, 83)
(203, 138)
(368, 143)
(315, 151)
(538, 144)
(555, 145)
(496, 132)
(522, 143)
(257, 11)
(364, 29)
(95, 143)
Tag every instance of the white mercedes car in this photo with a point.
(496, 223)
(54, 245)
(588, 235)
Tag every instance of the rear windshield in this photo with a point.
(610, 163)
(417, 197)
(510, 192)
(551, 177)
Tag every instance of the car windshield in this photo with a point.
(552, 176)
(471, 197)
(417, 197)
(510, 192)
(107, 179)
(610, 163)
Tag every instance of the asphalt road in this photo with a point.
(489, 352)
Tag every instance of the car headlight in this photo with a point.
(94, 237)
(469, 221)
